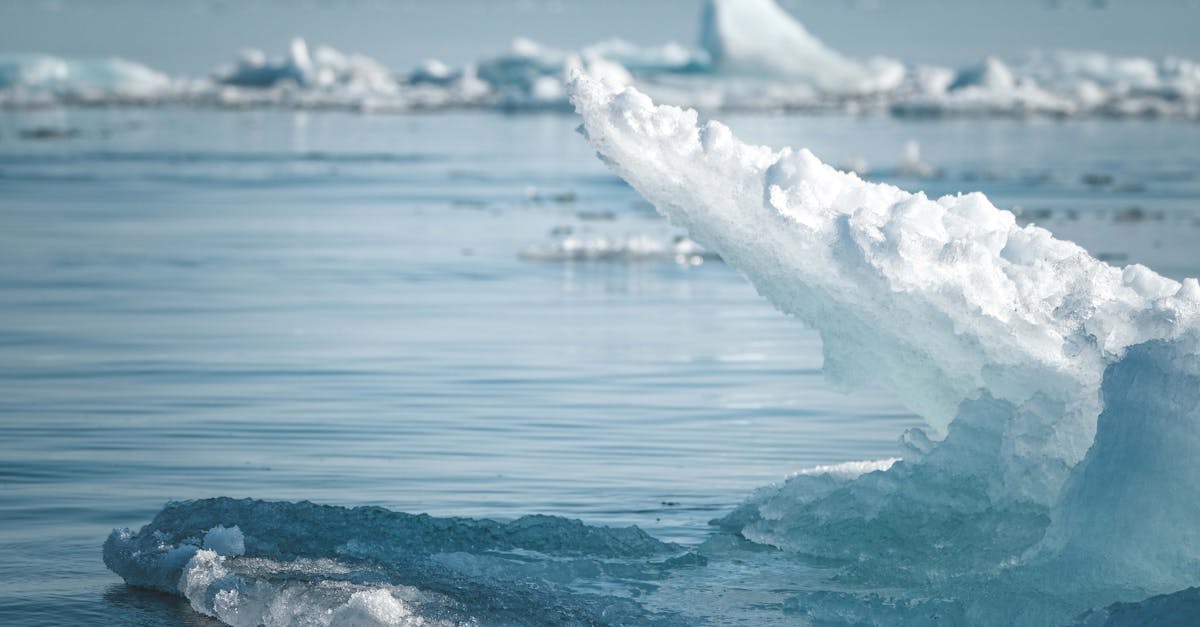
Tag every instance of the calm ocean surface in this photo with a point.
(332, 307)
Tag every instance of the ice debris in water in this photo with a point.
(751, 54)
(1062, 394)
(616, 249)
(248, 562)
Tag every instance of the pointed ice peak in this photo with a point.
(299, 57)
(760, 38)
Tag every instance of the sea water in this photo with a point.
(335, 307)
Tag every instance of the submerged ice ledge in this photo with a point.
(751, 55)
(248, 562)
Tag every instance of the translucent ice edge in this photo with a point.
(751, 55)
(1063, 394)
(248, 562)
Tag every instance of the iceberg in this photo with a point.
(33, 79)
(255, 70)
(1062, 393)
(328, 78)
(1060, 84)
(758, 38)
(325, 68)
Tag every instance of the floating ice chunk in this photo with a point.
(991, 88)
(525, 62)
(324, 68)
(305, 564)
(254, 69)
(992, 75)
(1065, 67)
(434, 72)
(1062, 83)
(759, 38)
(612, 249)
(80, 79)
(670, 57)
(1069, 390)
(931, 79)
(912, 165)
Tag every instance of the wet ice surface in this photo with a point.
(334, 308)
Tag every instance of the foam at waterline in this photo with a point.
(850, 470)
(1001, 336)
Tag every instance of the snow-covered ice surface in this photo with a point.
(751, 54)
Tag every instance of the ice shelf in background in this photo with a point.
(751, 55)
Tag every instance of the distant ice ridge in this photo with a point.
(1063, 394)
(39, 79)
(1063, 83)
(248, 562)
(751, 54)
